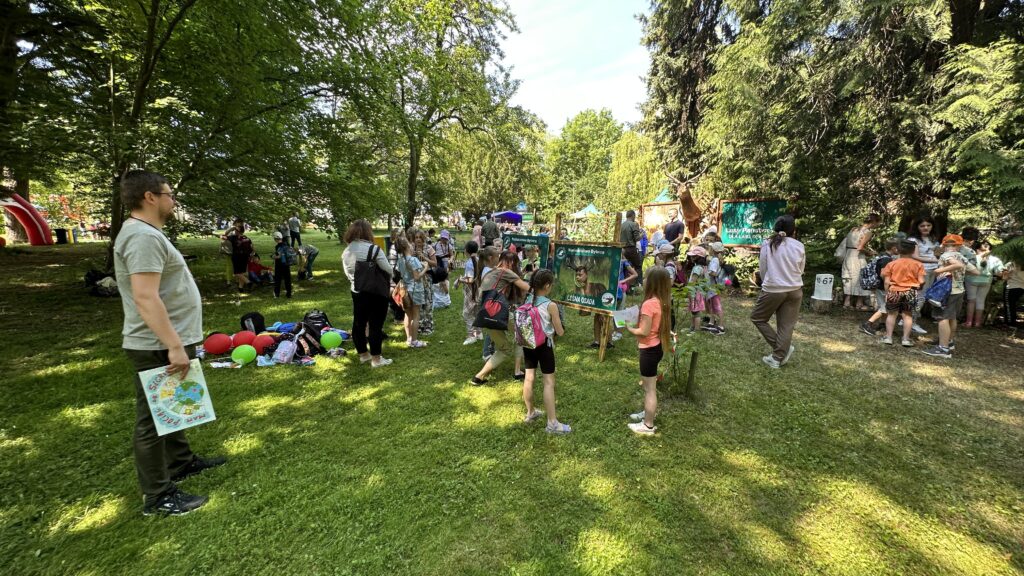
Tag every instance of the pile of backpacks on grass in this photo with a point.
(280, 343)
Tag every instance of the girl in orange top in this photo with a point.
(653, 340)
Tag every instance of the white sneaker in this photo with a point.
(887, 340)
(789, 355)
(907, 344)
(770, 361)
(469, 341)
(642, 429)
(916, 329)
(637, 416)
(383, 362)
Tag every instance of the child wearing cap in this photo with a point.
(697, 284)
(282, 270)
(713, 302)
(952, 264)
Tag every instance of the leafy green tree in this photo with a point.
(492, 169)
(579, 161)
(443, 60)
(634, 177)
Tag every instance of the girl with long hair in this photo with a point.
(412, 271)
(470, 281)
(543, 355)
(653, 342)
(781, 269)
(425, 253)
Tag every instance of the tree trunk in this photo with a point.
(15, 231)
(964, 15)
(410, 190)
(116, 214)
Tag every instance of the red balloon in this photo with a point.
(261, 342)
(243, 337)
(217, 343)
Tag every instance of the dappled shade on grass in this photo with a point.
(856, 459)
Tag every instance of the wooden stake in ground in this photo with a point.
(606, 334)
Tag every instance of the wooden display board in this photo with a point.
(601, 261)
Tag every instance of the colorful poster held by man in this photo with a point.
(748, 222)
(521, 241)
(587, 275)
(177, 404)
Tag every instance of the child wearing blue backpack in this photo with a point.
(541, 334)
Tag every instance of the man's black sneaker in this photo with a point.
(174, 503)
(867, 328)
(938, 352)
(197, 465)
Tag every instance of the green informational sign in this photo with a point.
(587, 275)
(749, 222)
(528, 220)
(523, 240)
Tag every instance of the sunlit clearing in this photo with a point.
(260, 407)
(600, 552)
(242, 444)
(81, 517)
(84, 416)
(857, 526)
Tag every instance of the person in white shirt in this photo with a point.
(781, 268)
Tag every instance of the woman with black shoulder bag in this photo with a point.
(369, 274)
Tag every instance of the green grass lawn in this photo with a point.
(854, 459)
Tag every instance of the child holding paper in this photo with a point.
(653, 341)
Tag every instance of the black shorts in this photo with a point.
(649, 360)
(544, 355)
(240, 265)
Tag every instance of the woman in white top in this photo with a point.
(1013, 291)
(857, 252)
(781, 268)
(368, 310)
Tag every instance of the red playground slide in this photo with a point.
(35, 226)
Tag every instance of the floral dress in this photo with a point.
(427, 311)
(852, 264)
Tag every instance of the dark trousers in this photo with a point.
(282, 273)
(157, 458)
(309, 264)
(785, 306)
(368, 310)
(295, 237)
(1011, 297)
(631, 254)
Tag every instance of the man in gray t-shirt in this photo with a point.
(163, 322)
(295, 229)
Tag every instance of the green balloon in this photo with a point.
(330, 340)
(244, 354)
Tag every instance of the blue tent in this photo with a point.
(508, 216)
(590, 210)
(664, 196)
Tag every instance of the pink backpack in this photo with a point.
(529, 326)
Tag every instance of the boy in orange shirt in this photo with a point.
(902, 277)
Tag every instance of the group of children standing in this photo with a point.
(912, 272)
(488, 269)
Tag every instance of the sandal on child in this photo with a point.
(558, 428)
(533, 416)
